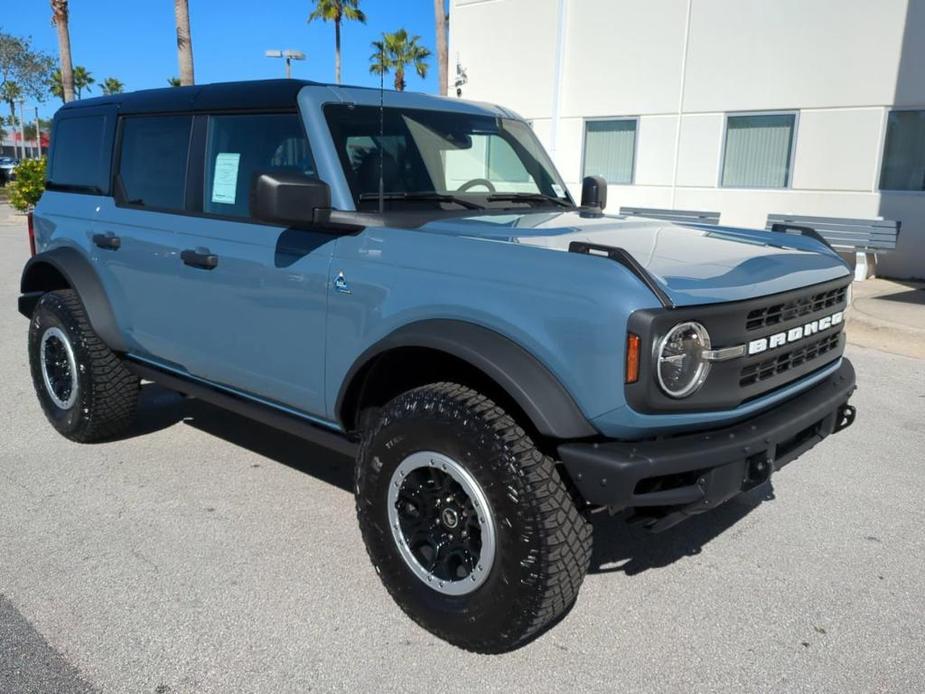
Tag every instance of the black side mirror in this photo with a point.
(290, 199)
(594, 192)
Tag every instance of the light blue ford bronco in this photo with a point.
(406, 279)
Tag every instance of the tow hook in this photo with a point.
(758, 470)
(846, 414)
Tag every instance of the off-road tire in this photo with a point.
(107, 392)
(543, 542)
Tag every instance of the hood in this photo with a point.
(693, 263)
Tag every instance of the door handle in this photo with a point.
(200, 257)
(107, 240)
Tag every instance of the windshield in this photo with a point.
(441, 159)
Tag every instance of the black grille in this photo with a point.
(796, 308)
(788, 360)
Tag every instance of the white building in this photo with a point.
(746, 107)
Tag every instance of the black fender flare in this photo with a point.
(78, 272)
(538, 392)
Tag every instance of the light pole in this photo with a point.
(22, 128)
(38, 133)
(289, 54)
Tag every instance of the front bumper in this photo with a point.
(673, 478)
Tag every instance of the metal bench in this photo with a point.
(860, 236)
(689, 216)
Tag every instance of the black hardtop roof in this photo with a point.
(262, 94)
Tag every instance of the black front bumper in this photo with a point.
(673, 478)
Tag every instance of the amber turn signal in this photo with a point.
(632, 358)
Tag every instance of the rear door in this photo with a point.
(135, 232)
(254, 296)
(78, 179)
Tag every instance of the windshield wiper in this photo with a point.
(424, 195)
(529, 197)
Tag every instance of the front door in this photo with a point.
(254, 297)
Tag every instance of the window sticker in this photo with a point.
(225, 177)
(557, 189)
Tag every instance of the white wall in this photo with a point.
(505, 46)
(680, 66)
(755, 54)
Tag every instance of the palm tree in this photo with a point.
(59, 17)
(184, 42)
(396, 51)
(440, 27)
(174, 81)
(112, 86)
(82, 79)
(56, 85)
(11, 93)
(337, 11)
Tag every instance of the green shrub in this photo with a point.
(29, 185)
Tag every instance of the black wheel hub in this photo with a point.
(439, 523)
(59, 369)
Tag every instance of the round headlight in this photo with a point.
(681, 366)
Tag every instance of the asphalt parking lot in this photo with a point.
(205, 553)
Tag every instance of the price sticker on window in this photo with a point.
(225, 177)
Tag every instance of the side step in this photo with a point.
(265, 414)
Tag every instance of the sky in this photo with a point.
(135, 40)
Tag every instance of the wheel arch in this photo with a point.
(68, 268)
(441, 350)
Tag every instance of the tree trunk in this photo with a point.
(399, 79)
(442, 57)
(60, 17)
(337, 51)
(184, 43)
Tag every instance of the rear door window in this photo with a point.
(240, 146)
(81, 153)
(152, 160)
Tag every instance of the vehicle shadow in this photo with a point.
(915, 295)
(621, 546)
(618, 545)
(159, 408)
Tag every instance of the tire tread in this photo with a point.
(112, 399)
(557, 567)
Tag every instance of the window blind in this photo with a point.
(610, 148)
(757, 152)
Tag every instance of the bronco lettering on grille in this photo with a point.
(786, 337)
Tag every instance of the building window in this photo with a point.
(610, 149)
(758, 150)
(904, 153)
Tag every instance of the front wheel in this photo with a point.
(469, 525)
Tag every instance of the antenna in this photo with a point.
(381, 126)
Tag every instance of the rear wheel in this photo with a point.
(85, 390)
(469, 525)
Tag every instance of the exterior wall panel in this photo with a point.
(754, 55)
(700, 149)
(836, 148)
(623, 57)
(655, 150)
